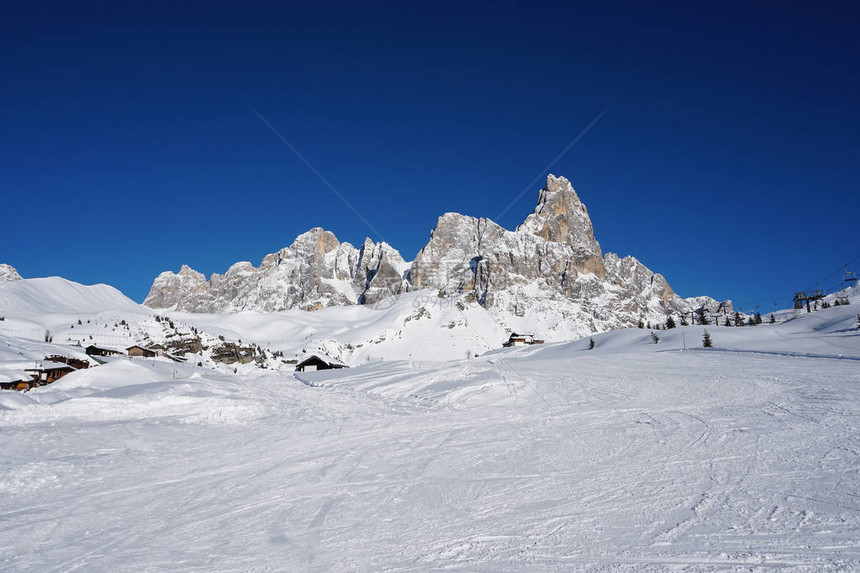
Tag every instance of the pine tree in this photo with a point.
(706, 340)
(684, 320)
(772, 319)
(640, 324)
(729, 321)
(591, 344)
(670, 322)
(654, 338)
(739, 321)
(758, 317)
(703, 318)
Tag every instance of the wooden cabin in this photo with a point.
(75, 363)
(521, 340)
(141, 352)
(13, 377)
(20, 385)
(315, 362)
(49, 372)
(16, 383)
(99, 351)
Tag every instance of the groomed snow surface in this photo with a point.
(631, 456)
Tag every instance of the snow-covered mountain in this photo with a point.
(314, 272)
(550, 270)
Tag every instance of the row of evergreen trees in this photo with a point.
(702, 318)
(706, 338)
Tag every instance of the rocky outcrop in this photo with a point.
(552, 258)
(550, 264)
(315, 271)
(8, 273)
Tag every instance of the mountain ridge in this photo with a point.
(551, 263)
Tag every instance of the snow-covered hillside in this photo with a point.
(630, 456)
(54, 316)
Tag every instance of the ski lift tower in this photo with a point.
(806, 296)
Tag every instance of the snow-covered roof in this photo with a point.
(322, 358)
(49, 365)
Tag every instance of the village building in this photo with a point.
(12, 377)
(521, 340)
(76, 363)
(48, 372)
(315, 362)
(100, 351)
(141, 352)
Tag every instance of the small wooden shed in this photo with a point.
(141, 352)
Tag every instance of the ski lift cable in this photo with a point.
(829, 287)
(837, 271)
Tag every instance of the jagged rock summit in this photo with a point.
(550, 270)
(8, 273)
(315, 271)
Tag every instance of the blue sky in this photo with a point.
(727, 159)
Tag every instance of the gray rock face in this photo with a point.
(8, 273)
(315, 271)
(550, 265)
(551, 262)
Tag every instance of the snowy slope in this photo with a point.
(632, 456)
(61, 296)
(413, 325)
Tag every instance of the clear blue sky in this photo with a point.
(727, 160)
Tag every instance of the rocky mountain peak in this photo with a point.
(561, 217)
(317, 241)
(186, 271)
(8, 273)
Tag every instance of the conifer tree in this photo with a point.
(654, 338)
(757, 317)
(591, 344)
(706, 340)
(772, 319)
(670, 322)
(684, 320)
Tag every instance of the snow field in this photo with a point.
(632, 456)
(515, 461)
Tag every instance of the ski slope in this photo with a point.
(632, 456)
